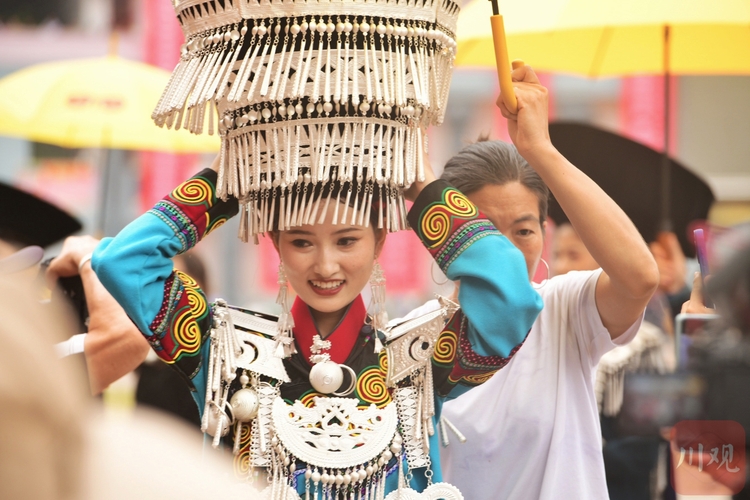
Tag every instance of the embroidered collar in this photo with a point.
(344, 336)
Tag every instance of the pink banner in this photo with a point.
(642, 111)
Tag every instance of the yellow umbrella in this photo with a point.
(92, 103)
(613, 38)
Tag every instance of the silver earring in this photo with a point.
(432, 275)
(285, 325)
(377, 304)
(543, 282)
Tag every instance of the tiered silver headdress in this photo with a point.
(315, 99)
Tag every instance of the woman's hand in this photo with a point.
(417, 186)
(529, 126)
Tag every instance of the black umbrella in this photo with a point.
(631, 173)
(28, 220)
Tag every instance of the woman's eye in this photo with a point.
(300, 243)
(345, 242)
(525, 232)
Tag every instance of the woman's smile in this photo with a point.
(327, 287)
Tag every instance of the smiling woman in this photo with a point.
(328, 266)
(386, 400)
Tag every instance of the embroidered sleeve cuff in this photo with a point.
(192, 209)
(447, 222)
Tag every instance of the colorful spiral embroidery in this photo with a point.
(371, 387)
(307, 398)
(436, 225)
(459, 204)
(186, 279)
(438, 220)
(445, 348)
(196, 191)
(479, 378)
(383, 361)
(218, 222)
(186, 332)
(242, 461)
(197, 302)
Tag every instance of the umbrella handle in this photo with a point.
(502, 63)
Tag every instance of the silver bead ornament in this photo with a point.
(214, 418)
(326, 377)
(245, 404)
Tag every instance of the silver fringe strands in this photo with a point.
(313, 101)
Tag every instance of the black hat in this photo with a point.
(28, 220)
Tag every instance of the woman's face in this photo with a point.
(514, 210)
(329, 264)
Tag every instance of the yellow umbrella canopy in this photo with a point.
(92, 103)
(613, 38)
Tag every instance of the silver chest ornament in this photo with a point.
(326, 376)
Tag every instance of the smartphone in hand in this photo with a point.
(701, 251)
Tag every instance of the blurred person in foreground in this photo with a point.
(533, 429)
(43, 401)
(720, 352)
(56, 444)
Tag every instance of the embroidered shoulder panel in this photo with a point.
(449, 223)
(455, 362)
(192, 209)
(179, 327)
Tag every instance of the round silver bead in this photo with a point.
(245, 404)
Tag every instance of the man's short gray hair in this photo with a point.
(487, 163)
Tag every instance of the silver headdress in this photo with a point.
(313, 100)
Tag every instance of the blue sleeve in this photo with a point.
(167, 306)
(498, 303)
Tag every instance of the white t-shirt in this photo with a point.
(533, 429)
